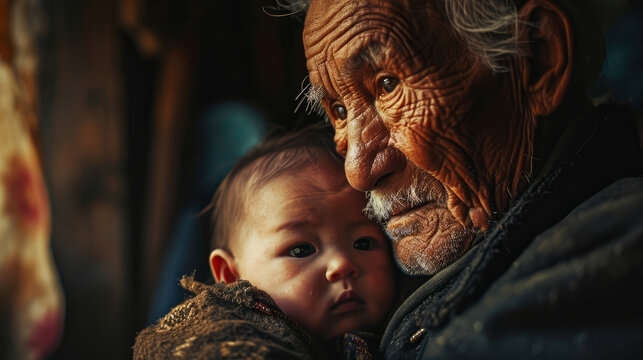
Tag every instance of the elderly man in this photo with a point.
(466, 123)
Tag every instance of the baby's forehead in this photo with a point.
(319, 178)
(307, 187)
(300, 190)
(316, 165)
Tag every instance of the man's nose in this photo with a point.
(341, 266)
(369, 158)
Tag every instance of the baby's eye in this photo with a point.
(301, 250)
(364, 243)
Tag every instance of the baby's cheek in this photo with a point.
(297, 299)
(302, 291)
(381, 283)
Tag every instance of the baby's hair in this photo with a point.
(280, 151)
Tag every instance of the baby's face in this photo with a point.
(309, 246)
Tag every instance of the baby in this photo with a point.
(287, 222)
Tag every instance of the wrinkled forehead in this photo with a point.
(327, 17)
(337, 31)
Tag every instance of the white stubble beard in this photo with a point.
(423, 189)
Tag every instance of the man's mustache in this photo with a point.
(387, 201)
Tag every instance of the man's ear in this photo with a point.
(222, 266)
(546, 62)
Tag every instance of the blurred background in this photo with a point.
(141, 107)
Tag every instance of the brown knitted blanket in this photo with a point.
(236, 321)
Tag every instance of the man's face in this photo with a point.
(426, 129)
(306, 242)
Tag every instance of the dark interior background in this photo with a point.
(128, 89)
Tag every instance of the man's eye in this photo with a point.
(301, 250)
(340, 112)
(389, 83)
(364, 243)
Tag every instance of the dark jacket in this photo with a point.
(560, 275)
(238, 321)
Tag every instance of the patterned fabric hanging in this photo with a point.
(31, 302)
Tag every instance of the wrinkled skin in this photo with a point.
(417, 105)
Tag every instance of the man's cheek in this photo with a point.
(450, 165)
(417, 146)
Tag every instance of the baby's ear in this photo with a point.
(222, 266)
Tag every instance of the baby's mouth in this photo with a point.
(347, 301)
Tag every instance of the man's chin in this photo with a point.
(427, 239)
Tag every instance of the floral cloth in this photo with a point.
(30, 293)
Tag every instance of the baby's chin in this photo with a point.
(427, 239)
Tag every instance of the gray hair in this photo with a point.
(486, 29)
(489, 29)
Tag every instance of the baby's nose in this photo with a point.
(339, 267)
